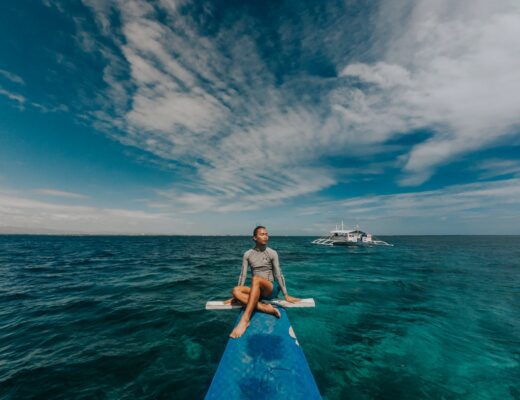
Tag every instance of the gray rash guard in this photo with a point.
(264, 262)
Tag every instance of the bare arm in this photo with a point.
(243, 273)
(242, 277)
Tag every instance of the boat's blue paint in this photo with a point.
(267, 362)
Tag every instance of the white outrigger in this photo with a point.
(349, 237)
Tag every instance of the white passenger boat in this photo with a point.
(349, 237)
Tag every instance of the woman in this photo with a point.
(265, 268)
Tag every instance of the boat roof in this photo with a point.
(344, 231)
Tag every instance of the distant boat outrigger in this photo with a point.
(349, 237)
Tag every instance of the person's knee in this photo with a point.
(235, 291)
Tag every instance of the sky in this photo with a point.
(210, 117)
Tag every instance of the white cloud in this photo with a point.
(22, 101)
(457, 200)
(213, 104)
(450, 66)
(221, 115)
(385, 75)
(60, 193)
(498, 167)
(477, 208)
(13, 96)
(265, 191)
(28, 214)
(12, 77)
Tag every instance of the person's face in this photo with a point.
(261, 237)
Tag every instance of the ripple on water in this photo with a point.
(123, 317)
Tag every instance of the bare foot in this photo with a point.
(269, 309)
(231, 301)
(239, 329)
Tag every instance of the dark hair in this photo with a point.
(257, 228)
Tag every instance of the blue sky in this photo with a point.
(212, 117)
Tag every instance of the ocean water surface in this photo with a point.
(123, 317)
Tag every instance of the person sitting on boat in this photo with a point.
(265, 268)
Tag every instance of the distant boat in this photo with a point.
(349, 237)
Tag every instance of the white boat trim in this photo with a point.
(303, 303)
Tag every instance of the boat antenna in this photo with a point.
(341, 225)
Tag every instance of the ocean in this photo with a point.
(120, 317)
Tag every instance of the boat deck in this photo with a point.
(267, 362)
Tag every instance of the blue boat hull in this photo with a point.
(267, 362)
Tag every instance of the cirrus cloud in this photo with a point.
(214, 102)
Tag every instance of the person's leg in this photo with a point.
(259, 287)
(241, 294)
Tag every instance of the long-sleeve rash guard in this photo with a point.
(264, 262)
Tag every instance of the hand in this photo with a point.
(291, 299)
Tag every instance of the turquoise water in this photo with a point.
(123, 317)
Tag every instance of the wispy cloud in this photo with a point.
(59, 193)
(16, 97)
(448, 66)
(485, 200)
(214, 103)
(498, 168)
(11, 77)
(23, 212)
(11, 94)
(23, 102)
